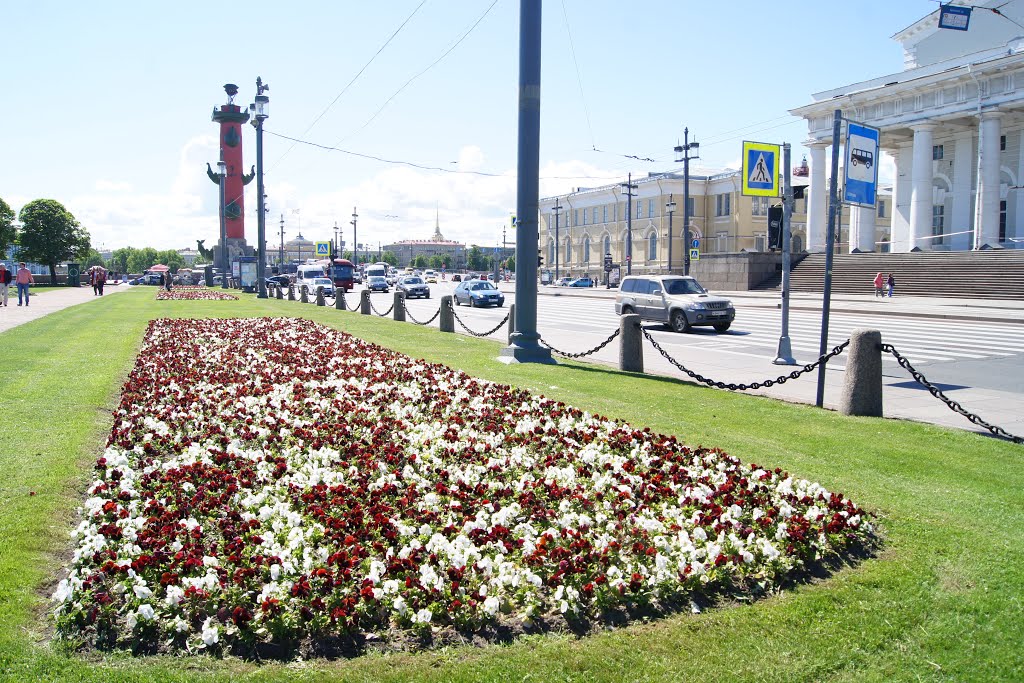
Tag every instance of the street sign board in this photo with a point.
(695, 254)
(861, 164)
(695, 243)
(761, 169)
(956, 18)
(323, 249)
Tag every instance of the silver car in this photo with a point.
(673, 299)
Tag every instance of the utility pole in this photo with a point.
(558, 244)
(785, 354)
(685, 149)
(280, 257)
(629, 222)
(260, 111)
(670, 207)
(833, 215)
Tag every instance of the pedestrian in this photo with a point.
(5, 281)
(23, 278)
(879, 283)
(891, 283)
(93, 282)
(101, 279)
(165, 280)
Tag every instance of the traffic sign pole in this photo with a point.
(830, 239)
(785, 354)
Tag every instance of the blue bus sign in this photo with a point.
(954, 17)
(861, 170)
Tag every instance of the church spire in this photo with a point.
(438, 237)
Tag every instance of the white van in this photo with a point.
(306, 274)
(378, 269)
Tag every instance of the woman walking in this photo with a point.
(891, 282)
(879, 282)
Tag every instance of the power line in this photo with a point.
(432, 65)
(579, 79)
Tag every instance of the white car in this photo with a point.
(310, 287)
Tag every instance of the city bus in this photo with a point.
(343, 274)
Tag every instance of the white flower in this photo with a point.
(491, 605)
(210, 634)
(142, 592)
(146, 612)
(63, 592)
(423, 617)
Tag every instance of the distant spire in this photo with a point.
(438, 237)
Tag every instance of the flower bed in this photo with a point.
(257, 488)
(193, 293)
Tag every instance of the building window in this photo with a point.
(938, 218)
(639, 209)
(881, 208)
(1002, 143)
(584, 216)
(721, 241)
(1002, 221)
(760, 241)
(594, 215)
(650, 208)
(576, 217)
(551, 253)
(568, 252)
(937, 152)
(652, 247)
(604, 213)
(586, 248)
(759, 207)
(607, 244)
(722, 202)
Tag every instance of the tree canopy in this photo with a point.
(6, 227)
(50, 235)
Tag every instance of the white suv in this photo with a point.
(674, 299)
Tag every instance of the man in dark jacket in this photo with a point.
(5, 280)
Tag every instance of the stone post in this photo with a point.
(280, 291)
(511, 321)
(339, 299)
(447, 314)
(399, 307)
(291, 292)
(862, 381)
(304, 296)
(631, 347)
(364, 302)
(320, 297)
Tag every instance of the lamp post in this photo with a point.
(260, 110)
(355, 240)
(685, 150)
(280, 257)
(222, 172)
(670, 207)
(337, 244)
(629, 222)
(558, 245)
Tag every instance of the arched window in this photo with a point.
(652, 247)
(607, 244)
(586, 250)
(551, 252)
(568, 251)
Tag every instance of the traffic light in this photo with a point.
(540, 259)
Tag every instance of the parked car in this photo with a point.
(563, 282)
(377, 283)
(279, 280)
(311, 285)
(478, 293)
(456, 278)
(582, 282)
(673, 299)
(414, 287)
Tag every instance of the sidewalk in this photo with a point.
(43, 301)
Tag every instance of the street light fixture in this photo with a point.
(670, 207)
(685, 150)
(260, 110)
(355, 239)
(222, 172)
(558, 245)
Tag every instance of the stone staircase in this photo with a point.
(995, 274)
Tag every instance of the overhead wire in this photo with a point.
(579, 79)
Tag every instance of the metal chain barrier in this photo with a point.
(782, 379)
(478, 334)
(953, 405)
(432, 318)
(374, 308)
(597, 348)
(344, 302)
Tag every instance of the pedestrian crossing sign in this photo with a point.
(695, 254)
(761, 169)
(323, 249)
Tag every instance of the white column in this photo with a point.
(862, 228)
(900, 221)
(817, 200)
(1014, 230)
(960, 221)
(921, 187)
(986, 209)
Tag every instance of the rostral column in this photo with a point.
(231, 117)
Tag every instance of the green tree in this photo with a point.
(510, 263)
(421, 261)
(171, 258)
(141, 259)
(6, 228)
(475, 258)
(390, 258)
(50, 235)
(437, 262)
(119, 259)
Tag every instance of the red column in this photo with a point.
(231, 118)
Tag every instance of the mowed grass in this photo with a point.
(941, 601)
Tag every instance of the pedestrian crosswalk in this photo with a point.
(583, 323)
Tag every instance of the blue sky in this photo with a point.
(107, 105)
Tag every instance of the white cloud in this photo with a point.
(113, 186)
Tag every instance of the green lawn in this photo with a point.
(942, 601)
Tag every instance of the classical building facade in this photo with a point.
(591, 222)
(953, 121)
(454, 253)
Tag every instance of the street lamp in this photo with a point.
(355, 240)
(222, 172)
(260, 110)
(670, 207)
(629, 222)
(685, 150)
(558, 244)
